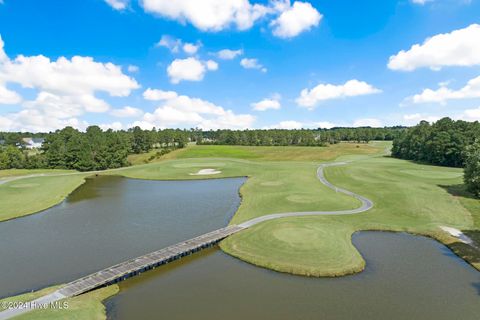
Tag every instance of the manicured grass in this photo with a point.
(281, 153)
(407, 196)
(471, 203)
(26, 196)
(301, 246)
(85, 307)
(21, 172)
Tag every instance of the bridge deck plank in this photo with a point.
(129, 267)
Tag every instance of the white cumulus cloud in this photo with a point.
(118, 4)
(211, 65)
(9, 96)
(184, 111)
(66, 88)
(287, 20)
(300, 17)
(443, 94)
(227, 54)
(209, 15)
(127, 112)
(158, 95)
(114, 126)
(191, 48)
(457, 48)
(189, 69)
(309, 98)
(250, 63)
(175, 45)
(414, 118)
(170, 43)
(470, 115)
(325, 124)
(267, 104)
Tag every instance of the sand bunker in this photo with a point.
(457, 234)
(205, 172)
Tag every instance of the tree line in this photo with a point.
(96, 149)
(445, 143)
(301, 137)
(441, 143)
(93, 149)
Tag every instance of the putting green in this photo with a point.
(299, 245)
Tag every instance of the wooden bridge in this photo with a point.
(146, 262)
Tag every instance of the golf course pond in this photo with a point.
(111, 219)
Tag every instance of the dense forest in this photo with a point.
(442, 143)
(303, 137)
(446, 143)
(472, 168)
(93, 149)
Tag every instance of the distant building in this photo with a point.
(33, 143)
(2, 142)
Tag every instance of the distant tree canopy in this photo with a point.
(93, 149)
(472, 168)
(441, 143)
(302, 137)
(96, 149)
(12, 157)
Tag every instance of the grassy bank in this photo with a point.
(468, 252)
(298, 245)
(85, 307)
(26, 196)
(407, 196)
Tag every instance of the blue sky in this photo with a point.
(291, 64)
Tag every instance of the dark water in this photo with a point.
(106, 221)
(110, 219)
(407, 277)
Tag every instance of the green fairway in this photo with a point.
(85, 307)
(417, 203)
(21, 172)
(26, 196)
(280, 153)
